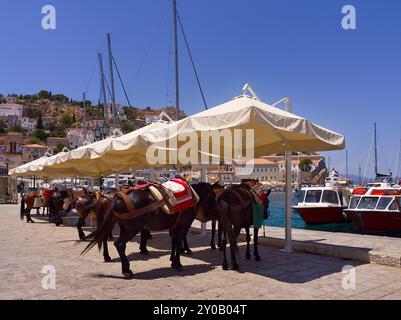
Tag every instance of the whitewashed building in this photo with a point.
(76, 137)
(28, 124)
(11, 109)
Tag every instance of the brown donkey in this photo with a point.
(28, 199)
(136, 210)
(235, 207)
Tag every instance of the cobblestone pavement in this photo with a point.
(26, 248)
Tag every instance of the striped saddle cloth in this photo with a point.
(181, 196)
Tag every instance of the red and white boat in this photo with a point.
(376, 209)
(322, 205)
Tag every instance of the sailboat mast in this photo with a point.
(177, 87)
(375, 133)
(105, 109)
(113, 92)
(85, 117)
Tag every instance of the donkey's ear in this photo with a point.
(216, 184)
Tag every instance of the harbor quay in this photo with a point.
(42, 261)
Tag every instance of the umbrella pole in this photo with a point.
(288, 229)
(288, 181)
(203, 179)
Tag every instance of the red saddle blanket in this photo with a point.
(48, 194)
(179, 192)
(182, 192)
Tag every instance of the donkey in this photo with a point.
(29, 200)
(235, 207)
(136, 210)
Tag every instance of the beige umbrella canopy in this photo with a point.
(101, 158)
(272, 131)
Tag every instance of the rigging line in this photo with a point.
(91, 76)
(121, 80)
(108, 88)
(147, 52)
(169, 73)
(397, 162)
(192, 61)
(384, 159)
(368, 159)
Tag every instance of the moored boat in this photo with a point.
(376, 210)
(322, 205)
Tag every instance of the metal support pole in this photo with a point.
(92, 185)
(85, 118)
(102, 79)
(177, 87)
(113, 91)
(288, 180)
(203, 179)
(117, 180)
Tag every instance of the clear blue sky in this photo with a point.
(342, 80)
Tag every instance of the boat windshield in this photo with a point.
(383, 203)
(393, 205)
(354, 202)
(368, 203)
(329, 196)
(313, 196)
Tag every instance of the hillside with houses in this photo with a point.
(45, 123)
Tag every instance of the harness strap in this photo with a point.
(164, 195)
(127, 201)
(139, 212)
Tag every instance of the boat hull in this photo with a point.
(322, 215)
(376, 221)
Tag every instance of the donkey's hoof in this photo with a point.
(107, 259)
(128, 275)
(235, 266)
(82, 238)
(225, 267)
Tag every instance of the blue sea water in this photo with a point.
(277, 212)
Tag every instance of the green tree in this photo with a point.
(127, 127)
(16, 128)
(33, 140)
(66, 119)
(43, 94)
(39, 123)
(40, 134)
(58, 148)
(59, 132)
(60, 98)
(3, 127)
(305, 165)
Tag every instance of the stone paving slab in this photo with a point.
(26, 248)
(364, 248)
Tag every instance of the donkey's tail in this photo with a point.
(227, 225)
(22, 211)
(102, 231)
